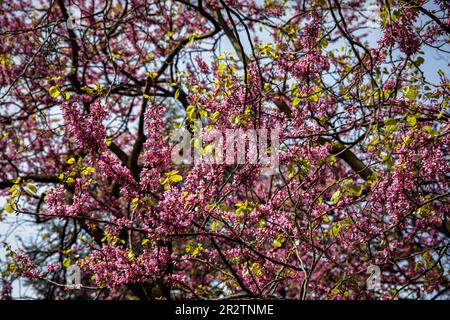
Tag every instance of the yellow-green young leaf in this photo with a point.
(277, 243)
(67, 262)
(70, 180)
(331, 160)
(313, 98)
(144, 241)
(17, 180)
(191, 112)
(171, 173)
(391, 124)
(71, 161)
(214, 116)
(412, 120)
(221, 68)
(296, 102)
(431, 131)
(9, 208)
(410, 92)
(407, 140)
(335, 229)
(134, 205)
(130, 254)
(176, 178)
(336, 196)
(261, 223)
(213, 226)
(177, 94)
(54, 91)
(355, 190)
(32, 188)
(66, 95)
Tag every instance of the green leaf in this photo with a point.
(191, 112)
(336, 196)
(331, 160)
(355, 190)
(32, 188)
(412, 120)
(54, 91)
(67, 262)
(221, 67)
(214, 116)
(171, 173)
(130, 254)
(410, 92)
(176, 178)
(261, 223)
(177, 94)
(431, 131)
(9, 208)
(66, 95)
(335, 229)
(420, 61)
(391, 124)
(313, 98)
(193, 249)
(277, 243)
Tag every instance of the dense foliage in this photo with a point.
(91, 92)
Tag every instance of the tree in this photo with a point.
(92, 91)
